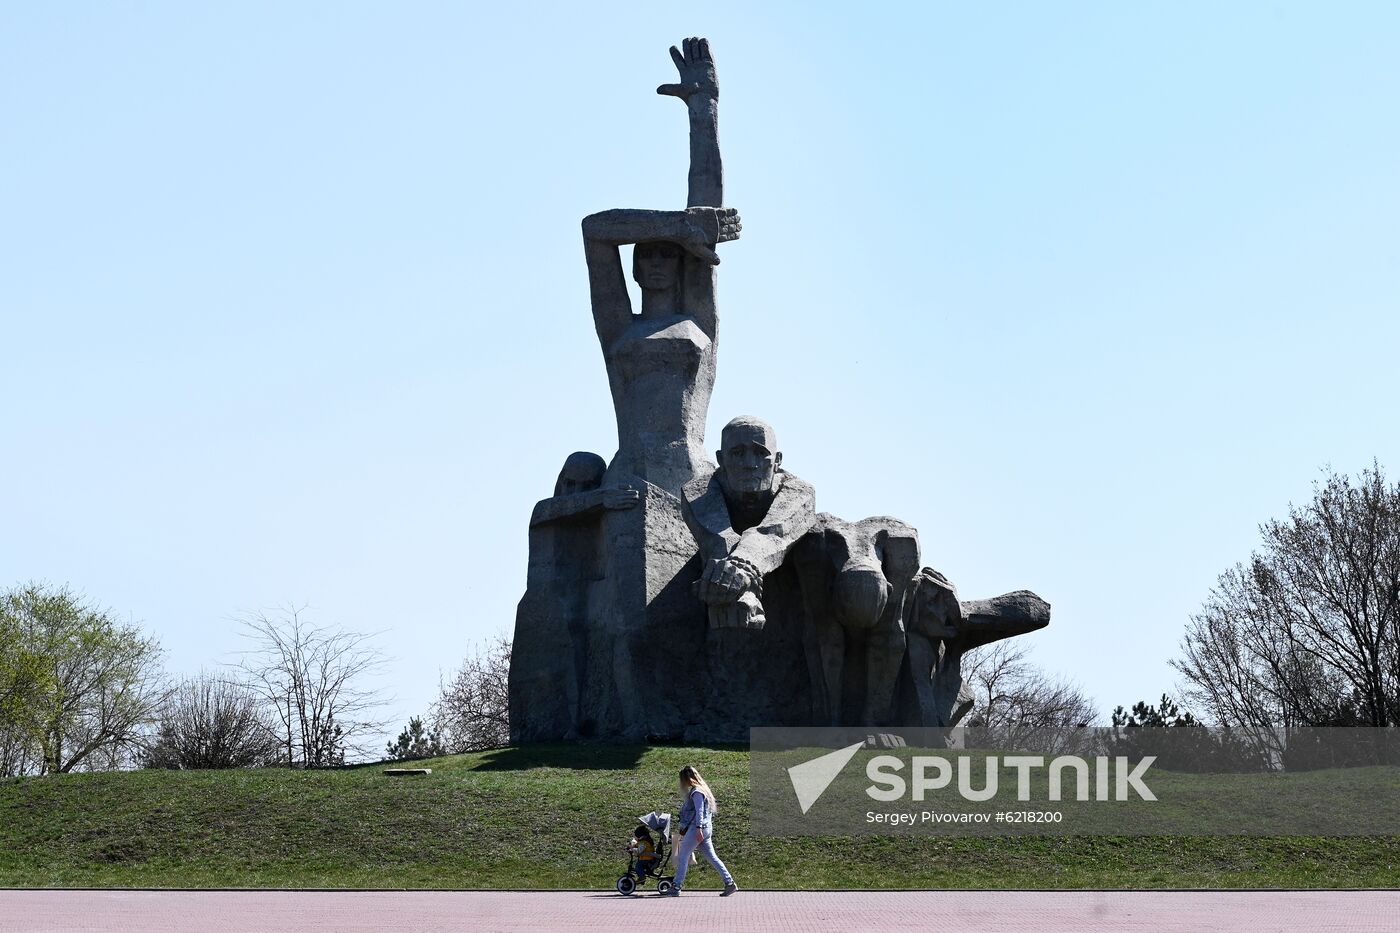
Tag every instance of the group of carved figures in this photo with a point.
(671, 595)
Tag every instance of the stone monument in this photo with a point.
(672, 597)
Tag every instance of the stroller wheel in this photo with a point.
(626, 884)
(664, 886)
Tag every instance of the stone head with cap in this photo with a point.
(749, 455)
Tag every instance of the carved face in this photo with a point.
(936, 612)
(656, 265)
(582, 472)
(748, 457)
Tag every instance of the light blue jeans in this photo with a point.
(689, 843)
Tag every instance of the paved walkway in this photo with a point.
(847, 912)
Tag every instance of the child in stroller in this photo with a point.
(648, 852)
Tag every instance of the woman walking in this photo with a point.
(697, 830)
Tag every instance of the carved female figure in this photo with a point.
(661, 361)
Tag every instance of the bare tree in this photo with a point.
(19, 754)
(1017, 699)
(472, 711)
(318, 683)
(1307, 632)
(209, 722)
(95, 684)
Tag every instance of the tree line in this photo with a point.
(1303, 634)
(83, 690)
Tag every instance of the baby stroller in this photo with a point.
(637, 874)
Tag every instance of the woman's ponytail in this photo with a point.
(691, 777)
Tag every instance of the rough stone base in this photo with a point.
(649, 667)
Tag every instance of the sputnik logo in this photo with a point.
(811, 778)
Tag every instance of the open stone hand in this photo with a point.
(697, 71)
(621, 497)
(720, 224)
(709, 227)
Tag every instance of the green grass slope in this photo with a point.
(557, 817)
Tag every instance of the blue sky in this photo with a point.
(293, 305)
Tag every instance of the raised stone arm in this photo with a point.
(699, 88)
(697, 231)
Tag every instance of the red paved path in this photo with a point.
(847, 912)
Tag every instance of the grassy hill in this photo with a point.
(556, 817)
